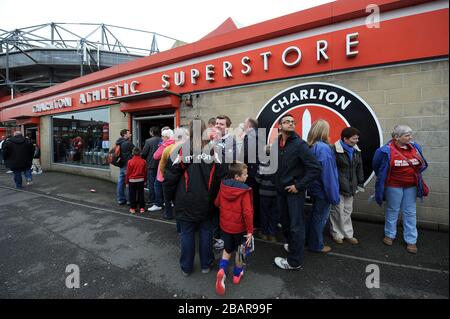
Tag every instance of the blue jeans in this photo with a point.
(316, 222)
(17, 175)
(268, 214)
(159, 199)
(291, 208)
(122, 190)
(151, 177)
(188, 244)
(404, 199)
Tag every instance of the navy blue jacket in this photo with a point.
(380, 165)
(327, 187)
(296, 165)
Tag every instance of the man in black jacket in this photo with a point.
(18, 152)
(150, 147)
(297, 168)
(126, 148)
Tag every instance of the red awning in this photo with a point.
(160, 99)
(25, 120)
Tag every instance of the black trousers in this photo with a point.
(256, 213)
(136, 194)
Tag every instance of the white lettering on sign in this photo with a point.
(266, 56)
(287, 52)
(53, 105)
(350, 43)
(291, 57)
(322, 47)
(110, 92)
(320, 94)
(227, 66)
(179, 78)
(248, 68)
(210, 72)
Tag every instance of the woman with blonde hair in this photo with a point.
(324, 191)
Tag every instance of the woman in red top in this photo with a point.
(398, 166)
(135, 180)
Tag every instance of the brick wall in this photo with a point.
(412, 94)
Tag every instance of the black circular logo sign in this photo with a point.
(340, 107)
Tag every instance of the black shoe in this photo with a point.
(121, 203)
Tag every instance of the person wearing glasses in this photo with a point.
(399, 165)
(297, 169)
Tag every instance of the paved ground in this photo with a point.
(57, 222)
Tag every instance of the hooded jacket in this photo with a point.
(191, 185)
(126, 148)
(136, 170)
(381, 166)
(296, 165)
(18, 153)
(235, 200)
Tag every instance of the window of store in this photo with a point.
(81, 138)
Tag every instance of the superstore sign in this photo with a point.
(290, 57)
(286, 57)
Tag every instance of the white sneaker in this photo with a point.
(283, 264)
(154, 208)
(9, 172)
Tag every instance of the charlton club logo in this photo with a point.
(338, 106)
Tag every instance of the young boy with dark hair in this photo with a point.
(135, 179)
(236, 220)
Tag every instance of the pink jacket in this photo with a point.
(157, 156)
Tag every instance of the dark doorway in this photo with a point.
(31, 133)
(145, 125)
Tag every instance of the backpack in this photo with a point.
(115, 156)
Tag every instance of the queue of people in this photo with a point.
(216, 194)
(226, 200)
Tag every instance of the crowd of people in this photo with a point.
(201, 177)
(226, 195)
(21, 156)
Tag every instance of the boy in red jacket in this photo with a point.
(235, 200)
(135, 179)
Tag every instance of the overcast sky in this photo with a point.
(181, 19)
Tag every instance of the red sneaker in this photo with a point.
(142, 210)
(220, 282)
(237, 279)
(132, 210)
